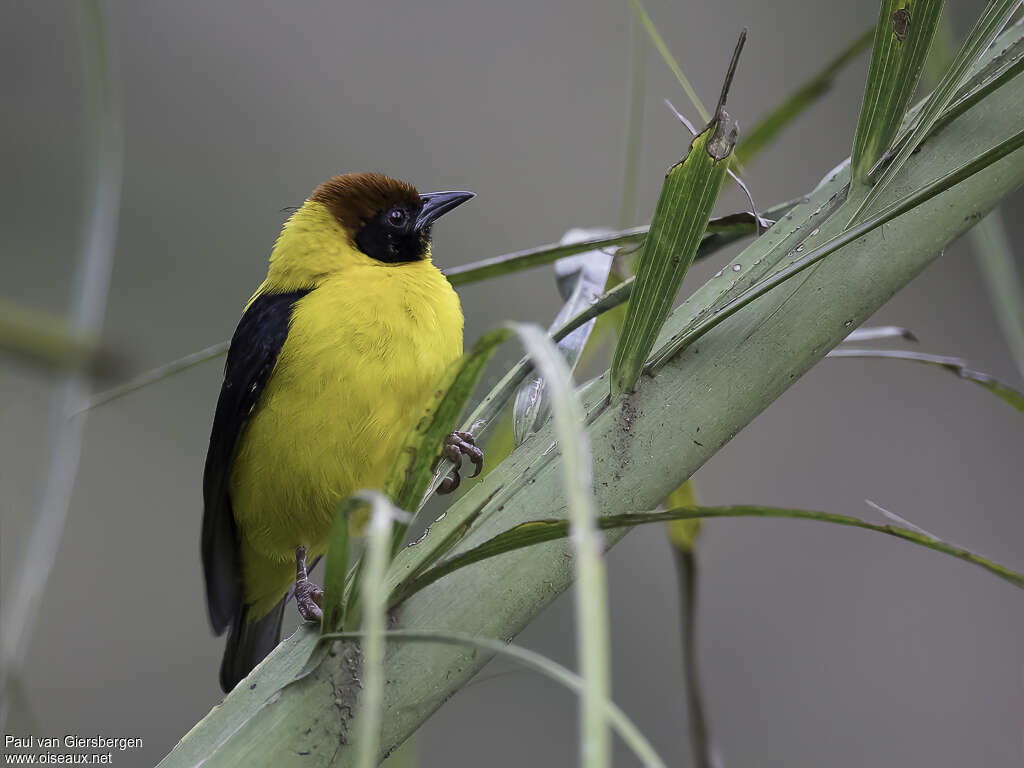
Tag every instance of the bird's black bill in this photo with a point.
(437, 204)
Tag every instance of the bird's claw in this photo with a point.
(457, 445)
(450, 482)
(308, 596)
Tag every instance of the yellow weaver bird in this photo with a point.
(330, 366)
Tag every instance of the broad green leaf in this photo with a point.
(769, 126)
(762, 223)
(993, 18)
(442, 544)
(684, 207)
(618, 719)
(687, 197)
(540, 531)
(413, 469)
(683, 339)
(951, 364)
(592, 641)
(902, 38)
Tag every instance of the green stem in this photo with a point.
(700, 737)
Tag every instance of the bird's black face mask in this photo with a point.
(401, 233)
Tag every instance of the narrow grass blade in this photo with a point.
(413, 469)
(902, 38)
(536, 257)
(988, 237)
(772, 124)
(618, 719)
(970, 94)
(720, 232)
(374, 611)
(591, 590)
(970, 87)
(158, 374)
(539, 531)
(25, 594)
(581, 281)
(683, 339)
(634, 122)
(336, 569)
(951, 364)
(684, 206)
(995, 257)
(881, 333)
(669, 59)
(993, 18)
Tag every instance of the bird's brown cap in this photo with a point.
(355, 198)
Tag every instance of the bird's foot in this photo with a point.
(457, 445)
(308, 596)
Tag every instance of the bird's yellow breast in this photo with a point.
(363, 351)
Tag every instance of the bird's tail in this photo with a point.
(249, 642)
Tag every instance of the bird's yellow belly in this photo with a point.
(360, 361)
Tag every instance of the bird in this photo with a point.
(330, 366)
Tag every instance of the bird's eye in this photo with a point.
(397, 217)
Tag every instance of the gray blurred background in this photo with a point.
(820, 645)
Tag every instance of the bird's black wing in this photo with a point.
(254, 348)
